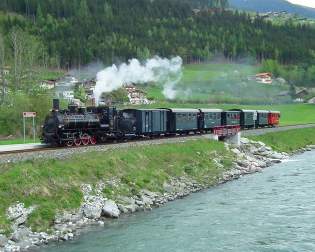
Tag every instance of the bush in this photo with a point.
(11, 120)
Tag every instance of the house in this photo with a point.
(5, 71)
(48, 84)
(264, 78)
(301, 94)
(136, 96)
(196, 11)
(68, 95)
(311, 101)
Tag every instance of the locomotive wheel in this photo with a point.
(85, 139)
(93, 140)
(69, 143)
(77, 141)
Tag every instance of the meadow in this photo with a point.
(223, 83)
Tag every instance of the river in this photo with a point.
(270, 211)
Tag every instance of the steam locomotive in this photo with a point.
(77, 126)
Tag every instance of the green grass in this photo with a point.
(288, 141)
(49, 74)
(54, 185)
(222, 83)
(18, 141)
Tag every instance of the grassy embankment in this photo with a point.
(288, 141)
(54, 185)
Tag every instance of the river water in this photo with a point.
(270, 211)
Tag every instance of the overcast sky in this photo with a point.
(309, 3)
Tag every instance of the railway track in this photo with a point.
(23, 151)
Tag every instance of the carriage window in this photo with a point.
(127, 115)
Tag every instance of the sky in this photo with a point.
(309, 3)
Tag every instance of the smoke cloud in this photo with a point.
(166, 72)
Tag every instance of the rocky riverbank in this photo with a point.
(250, 157)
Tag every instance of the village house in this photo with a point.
(301, 94)
(136, 96)
(264, 78)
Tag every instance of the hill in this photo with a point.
(274, 6)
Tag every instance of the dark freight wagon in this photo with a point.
(231, 118)
(210, 118)
(248, 118)
(182, 120)
(262, 118)
(143, 121)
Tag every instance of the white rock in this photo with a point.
(110, 209)
(147, 201)
(3, 240)
(18, 213)
(20, 234)
(101, 223)
(245, 140)
(92, 211)
(276, 155)
(236, 151)
(12, 248)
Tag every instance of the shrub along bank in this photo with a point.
(53, 185)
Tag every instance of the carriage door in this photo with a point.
(147, 122)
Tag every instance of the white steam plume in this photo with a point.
(167, 72)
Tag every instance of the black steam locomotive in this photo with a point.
(77, 126)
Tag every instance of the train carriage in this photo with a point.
(210, 118)
(274, 118)
(262, 118)
(231, 118)
(142, 121)
(248, 118)
(182, 120)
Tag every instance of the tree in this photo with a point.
(2, 72)
(16, 37)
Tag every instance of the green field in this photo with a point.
(288, 141)
(18, 141)
(223, 83)
(54, 185)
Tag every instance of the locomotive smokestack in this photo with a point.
(56, 104)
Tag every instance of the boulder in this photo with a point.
(276, 155)
(110, 209)
(3, 240)
(122, 208)
(12, 248)
(68, 217)
(92, 211)
(21, 234)
(236, 151)
(167, 187)
(147, 201)
(18, 213)
(245, 141)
